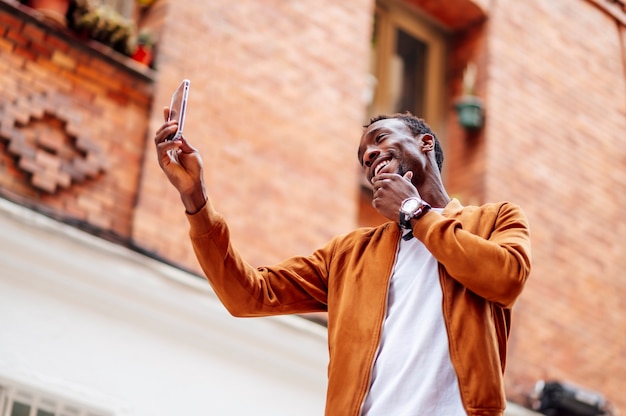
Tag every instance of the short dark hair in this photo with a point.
(417, 126)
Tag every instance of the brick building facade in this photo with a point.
(276, 105)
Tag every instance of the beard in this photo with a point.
(403, 169)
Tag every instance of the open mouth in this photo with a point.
(380, 166)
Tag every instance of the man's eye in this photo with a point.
(379, 138)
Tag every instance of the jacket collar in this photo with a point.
(453, 208)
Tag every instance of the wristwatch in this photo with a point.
(412, 208)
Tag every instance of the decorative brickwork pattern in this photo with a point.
(37, 129)
(73, 121)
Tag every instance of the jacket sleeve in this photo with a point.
(296, 285)
(487, 251)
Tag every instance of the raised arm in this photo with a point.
(294, 286)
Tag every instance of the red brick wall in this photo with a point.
(464, 165)
(72, 125)
(275, 109)
(555, 136)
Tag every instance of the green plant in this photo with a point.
(145, 37)
(104, 24)
(143, 44)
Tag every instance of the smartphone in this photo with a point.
(178, 107)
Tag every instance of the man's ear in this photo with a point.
(428, 143)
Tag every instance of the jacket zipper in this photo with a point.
(382, 323)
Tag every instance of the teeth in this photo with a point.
(380, 166)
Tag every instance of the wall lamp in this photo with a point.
(469, 107)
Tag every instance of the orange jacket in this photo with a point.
(484, 261)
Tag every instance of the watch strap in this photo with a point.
(405, 219)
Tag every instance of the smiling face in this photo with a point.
(388, 146)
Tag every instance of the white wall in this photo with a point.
(99, 324)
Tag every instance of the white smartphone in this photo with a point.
(178, 107)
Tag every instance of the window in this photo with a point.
(22, 401)
(407, 65)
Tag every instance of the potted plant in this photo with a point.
(144, 47)
(104, 24)
(469, 107)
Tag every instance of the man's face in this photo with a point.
(387, 146)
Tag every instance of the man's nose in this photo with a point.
(370, 156)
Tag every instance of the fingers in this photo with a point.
(390, 190)
(186, 147)
(378, 184)
(384, 180)
(165, 131)
(392, 179)
(166, 148)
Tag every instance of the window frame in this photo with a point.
(37, 399)
(395, 15)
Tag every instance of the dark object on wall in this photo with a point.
(470, 110)
(469, 107)
(555, 398)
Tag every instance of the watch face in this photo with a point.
(410, 205)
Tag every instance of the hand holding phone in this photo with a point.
(178, 107)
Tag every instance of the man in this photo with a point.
(418, 308)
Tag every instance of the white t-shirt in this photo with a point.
(412, 373)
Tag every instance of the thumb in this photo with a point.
(185, 146)
(408, 176)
